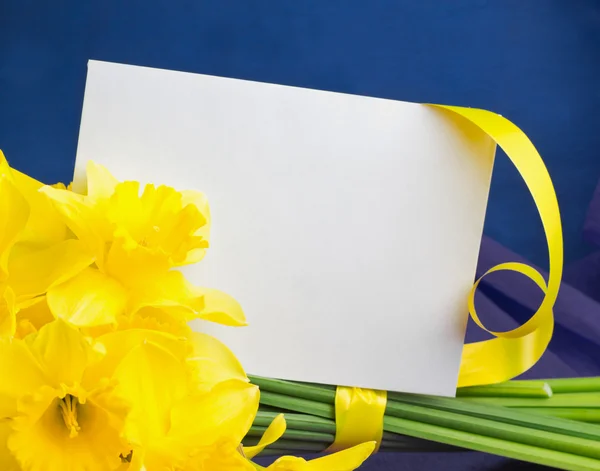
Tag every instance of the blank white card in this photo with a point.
(347, 227)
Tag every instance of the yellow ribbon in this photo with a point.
(359, 412)
(513, 352)
(358, 417)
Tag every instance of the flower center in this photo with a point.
(68, 409)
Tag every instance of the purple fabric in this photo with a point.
(577, 316)
(585, 275)
(591, 228)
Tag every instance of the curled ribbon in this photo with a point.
(359, 412)
(513, 352)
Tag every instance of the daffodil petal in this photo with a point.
(62, 351)
(100, 182)
(151, 379)
(8, 320)
(273, 433)
(14, 212)
(199, 200)
(21, 372)
(155, 319)
(35, 314)
(345, 460)
(170, 292)
(91, 298)
(220, 308)
(8, 461)
(117, 345)
(221, 459)
(82, 218)
(133, 265)
(213, 361)
(44, 226)
(33, 271)
(225, 413)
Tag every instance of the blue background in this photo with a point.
(535, 62)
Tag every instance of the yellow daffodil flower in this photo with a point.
(173, 424)
(34, 251)
(60, 417)
(136, 240)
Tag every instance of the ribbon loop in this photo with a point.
(511, 353)
(358, 417)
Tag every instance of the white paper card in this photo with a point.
(347, 227)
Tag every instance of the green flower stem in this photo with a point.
(509, 389)
(465, 406)
(590, 400)
(569, 385)
(580, 414)
(291, 434)
(492, 445)
(523, 433)
(312, 392)
(308, 423)
(456, 421)
(502, 414)
(297, 404)
(533, 437)
(459, 438)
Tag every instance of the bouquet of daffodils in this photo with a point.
(99, 368)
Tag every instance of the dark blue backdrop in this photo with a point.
(535, 62)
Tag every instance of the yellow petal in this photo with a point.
(222, 458)
(90, 226)
(21, 373)
(7, 460)
(62, 352)
(225, 413)
(100, 183)
(271, 435)
(89, 299)
(8, 321)
(33, 271)
(133, 265)
(34, 316)
(44, 226)
(201, 203)
(155, 319)
(14, 212)
(213, 362)
(151, 379)
(220, 308)
(346, 460)
(170, 292)
(117, 345)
